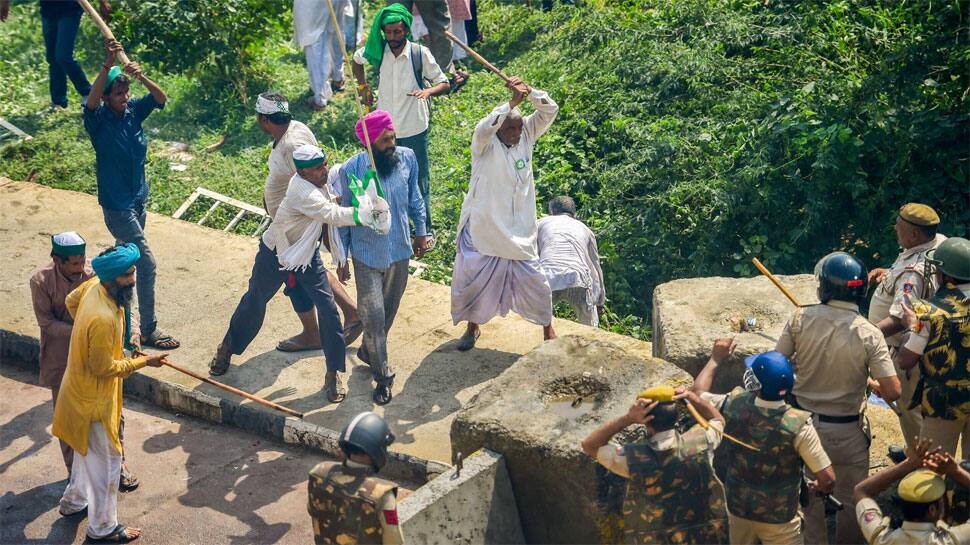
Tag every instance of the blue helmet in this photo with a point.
(843, 277)
(773, 372)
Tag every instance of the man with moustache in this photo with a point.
(87, 414)
(381, 261)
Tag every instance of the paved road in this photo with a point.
(200, 483)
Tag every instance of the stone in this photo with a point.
(689, 314)
(530, 415)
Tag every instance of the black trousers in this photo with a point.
(264, 283)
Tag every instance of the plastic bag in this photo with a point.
(368, 197)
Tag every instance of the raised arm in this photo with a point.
(112, 47)
(538, 122)
(490, 125)
(723, 348)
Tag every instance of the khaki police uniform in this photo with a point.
(946, 429)
(834, 351)
(887, 300)
(348, 506)
(808, 446)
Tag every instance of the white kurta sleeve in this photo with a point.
(538, 122)
(487, 128)
(320, 208)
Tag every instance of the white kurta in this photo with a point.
(500, 206)
(409, 114)
(296, 229)
(570, 258)
(281, 166)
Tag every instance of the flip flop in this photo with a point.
(118, 535)
(288, 345)
(127, 483)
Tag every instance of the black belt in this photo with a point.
(824, 417)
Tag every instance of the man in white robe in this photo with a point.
(314, 32)
(497, 262)
(570, 260)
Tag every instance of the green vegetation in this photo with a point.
(694, 134)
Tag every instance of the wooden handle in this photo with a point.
(476, 56)
(226, 387)
(707, 425)
(774, 280)
(103, 27)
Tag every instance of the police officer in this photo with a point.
(763, 487)
(916, 233)
(348, 504)
(835, 351)
(920, 493)
(673, 495)
(941, 346)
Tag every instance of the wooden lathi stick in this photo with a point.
(103, 27)
(226, 387)
(774, 280)
(476, 56)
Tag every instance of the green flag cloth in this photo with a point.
(374, 48)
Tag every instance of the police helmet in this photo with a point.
(368, 432)
(843, 277)
(952, 258)
(772, 372)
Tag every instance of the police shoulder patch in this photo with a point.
(390, 516)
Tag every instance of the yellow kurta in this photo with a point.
(91, 389)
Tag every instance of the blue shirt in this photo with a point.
(120, 147)
(404, 199)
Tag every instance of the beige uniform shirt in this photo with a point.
(612, 457)
(806, 442)
(875, 528)
(834, 351)
(887, 299)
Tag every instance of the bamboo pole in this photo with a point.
(350, 75)
(226, 387)
(707, 425)
(471, 52)
(774, 280)
(103, 27)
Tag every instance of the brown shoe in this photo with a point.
(334, 388)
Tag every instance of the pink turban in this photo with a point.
(377, 121)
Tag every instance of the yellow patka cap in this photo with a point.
(921, 486)
(658, 393)
(919, 214)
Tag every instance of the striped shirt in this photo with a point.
(404, 199)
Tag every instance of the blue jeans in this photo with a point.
(129, 226)
(419, 145)
(59, 35)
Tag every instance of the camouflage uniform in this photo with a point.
(943, 391)
(764, 485)
(346, 504)
(674, 496)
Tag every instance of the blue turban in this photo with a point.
(116, 262)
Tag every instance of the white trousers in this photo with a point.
(94, 484)
(324, 62)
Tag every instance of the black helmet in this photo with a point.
(843, 277)
(368, 432)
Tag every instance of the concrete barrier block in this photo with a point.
(688, 314)
(471, 506)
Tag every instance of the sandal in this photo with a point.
(159, 340)
(127, 482)
(289, 345)
(382, 394)
(352, 331)
(220, 362)
(334, 388)
(118, 535)
(337, 88)
(466, 342)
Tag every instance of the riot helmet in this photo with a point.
(952, 258)
(843, 277)
(769, 372)
(369, 433)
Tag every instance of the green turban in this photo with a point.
(374, 48)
